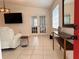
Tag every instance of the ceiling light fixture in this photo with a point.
(4, 9)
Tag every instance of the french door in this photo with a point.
(76, 31)
(38, 25)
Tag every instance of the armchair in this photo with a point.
(8, 38)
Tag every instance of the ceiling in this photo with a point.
(32, 3)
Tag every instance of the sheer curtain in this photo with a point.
(55, 17)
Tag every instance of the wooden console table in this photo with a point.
(62, 40)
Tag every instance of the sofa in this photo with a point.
(8, 38)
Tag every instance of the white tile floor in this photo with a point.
(40, 47)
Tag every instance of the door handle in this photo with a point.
(74, 37)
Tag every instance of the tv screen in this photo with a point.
(11, 18)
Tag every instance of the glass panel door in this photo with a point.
(38, 25)
(42, 24)
(34, 24)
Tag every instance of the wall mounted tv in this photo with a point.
(12, 18)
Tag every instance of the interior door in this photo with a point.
(34, 25)
(42, 24)
(76, 31)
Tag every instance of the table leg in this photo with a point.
(53, 44)
(64, 48)
(60, 47)
(53, 40)
(28, 41)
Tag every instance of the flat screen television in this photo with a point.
(11, 18)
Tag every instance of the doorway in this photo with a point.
(38, 25)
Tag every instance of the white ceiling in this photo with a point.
(32, 3)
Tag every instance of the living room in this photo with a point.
(34, 14)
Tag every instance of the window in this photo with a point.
(55, 17)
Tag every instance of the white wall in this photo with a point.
(27, 12)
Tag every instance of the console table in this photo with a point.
(62, 40)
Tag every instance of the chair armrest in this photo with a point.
(17, 36)
(16, 40)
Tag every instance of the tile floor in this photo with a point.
(40, 47)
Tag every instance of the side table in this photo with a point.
(24, 41)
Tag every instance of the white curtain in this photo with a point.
(55, 17)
